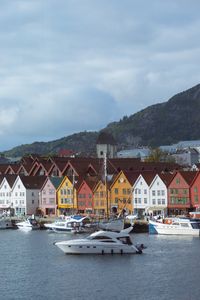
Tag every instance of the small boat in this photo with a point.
(73, 224)
(6, 224)
(176, 226)
(28, 224)
(102, 242)
(131, 218)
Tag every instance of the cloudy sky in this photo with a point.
(73, 65)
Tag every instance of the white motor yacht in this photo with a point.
(74, 224)
(28, 224)
(102, 242)
(177, 226)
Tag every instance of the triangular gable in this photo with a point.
(69, 170)
(34, 168)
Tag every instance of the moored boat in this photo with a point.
(73, 224)
(6, 223)
(28, 224)
(102, 242)
(176, 226)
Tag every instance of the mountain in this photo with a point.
(159, 124)
(162, 124)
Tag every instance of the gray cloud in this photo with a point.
(72, 65)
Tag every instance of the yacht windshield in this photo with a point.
(125, 240)
(195, 225)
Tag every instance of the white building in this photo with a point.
(157, 197)
(6, 184)
(25, 194)
(141, 197)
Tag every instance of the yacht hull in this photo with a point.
(74, 247)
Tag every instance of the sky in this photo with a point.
(68, 66)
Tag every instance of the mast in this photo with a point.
(105, 178)
(73, 182)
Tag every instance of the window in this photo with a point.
(153, 193)
(172, 200)
(116, 191)
(177, 180)
(195, 189)
(145, 191)
(185, 191)
(145, 200)
(154, 201)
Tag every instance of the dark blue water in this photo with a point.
(33, 268)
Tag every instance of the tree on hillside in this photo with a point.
(157, 155)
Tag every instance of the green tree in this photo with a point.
(157, 155)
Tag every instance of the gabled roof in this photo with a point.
(91, 184)
(188, 176)
(56, 181)
(3, 168)
(167, 177)
(12, 168)
(131, 176)
(1, 178)
(33, 182)
(10, 179)
(148, 176)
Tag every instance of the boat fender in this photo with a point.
(121, 251)
(102, 252)
(112, 252)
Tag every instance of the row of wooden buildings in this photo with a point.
(55, 186)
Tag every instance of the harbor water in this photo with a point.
(33, 268)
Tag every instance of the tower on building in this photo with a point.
(106, 145)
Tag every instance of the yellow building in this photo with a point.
(66, 195)
(121, 191)
(101, 196)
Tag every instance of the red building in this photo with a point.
(179, 193)
(195, 192)
(85, 197)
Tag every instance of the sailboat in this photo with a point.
(115, 223)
